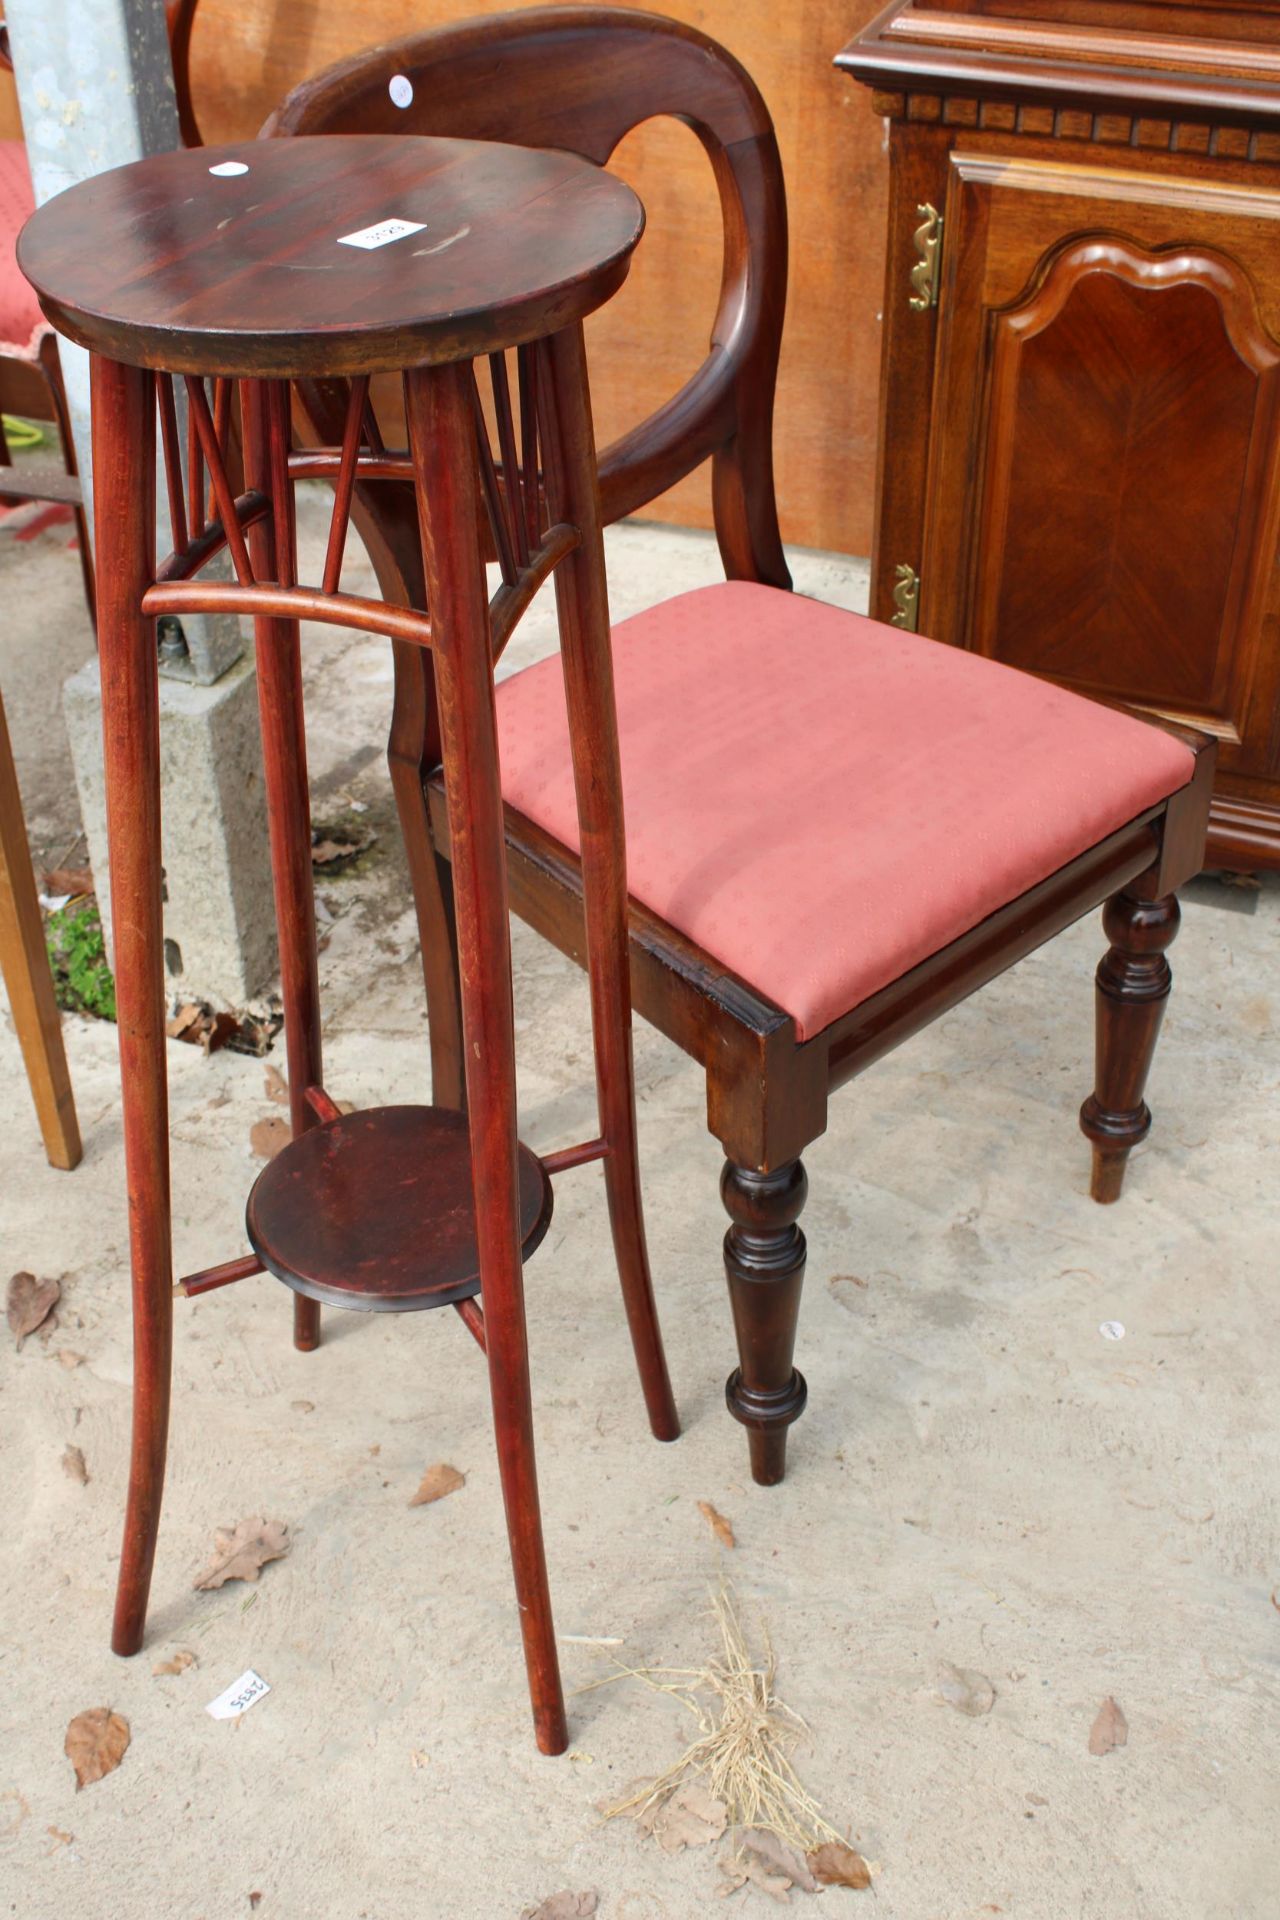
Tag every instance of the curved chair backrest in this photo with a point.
(581, 78)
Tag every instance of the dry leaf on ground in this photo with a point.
(30, 1302)
(96, 1743)
(334, 847)
(177, 1663)
(74, 1467)
(276, 1086)
(200, 1026)
(437, 1481)
(717, 1523)
(1110, 1729)
(241, 1552)
(966, 1690)
(767, 1863)
(76, 881)
(564, 1906)
(66, 1358)
(838, 1865)
(267, 1137)
(690, 1818)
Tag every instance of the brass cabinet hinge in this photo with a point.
(926, 272)
(906, 598)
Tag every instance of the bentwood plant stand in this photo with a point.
(244, 272)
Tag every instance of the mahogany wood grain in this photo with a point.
(374, 1210)
(515, 244)
(1081, 441)
(24, 962)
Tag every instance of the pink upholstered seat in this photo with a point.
(22, 325)
(819, 801)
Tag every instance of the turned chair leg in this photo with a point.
(764, 1259)
(1133, 982)
(24, 963)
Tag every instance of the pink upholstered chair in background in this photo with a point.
(835, 830)
(30, 370)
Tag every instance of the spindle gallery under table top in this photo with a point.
(329, 255)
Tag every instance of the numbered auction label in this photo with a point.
(239, 1696)
(382, 235)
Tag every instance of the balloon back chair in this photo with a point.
(836, 830)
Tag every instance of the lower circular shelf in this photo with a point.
(374, 1210)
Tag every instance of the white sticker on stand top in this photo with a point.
(382, 235)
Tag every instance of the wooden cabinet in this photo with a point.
(1079, 466)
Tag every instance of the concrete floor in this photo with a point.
(982, 1480)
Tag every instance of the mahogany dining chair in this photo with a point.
(836, 830)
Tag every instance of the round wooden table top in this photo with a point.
(329, 254)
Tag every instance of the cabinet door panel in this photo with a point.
(1103, 475)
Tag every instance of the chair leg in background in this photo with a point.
(284, 762)
(411, 755)
(24, 961)
(593, 731)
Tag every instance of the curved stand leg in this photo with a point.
(438, 406)
(1133, 982)
(764, 1260)
(284, 763)
(582, 603)
(124, 513)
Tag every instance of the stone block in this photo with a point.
(219, 922)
